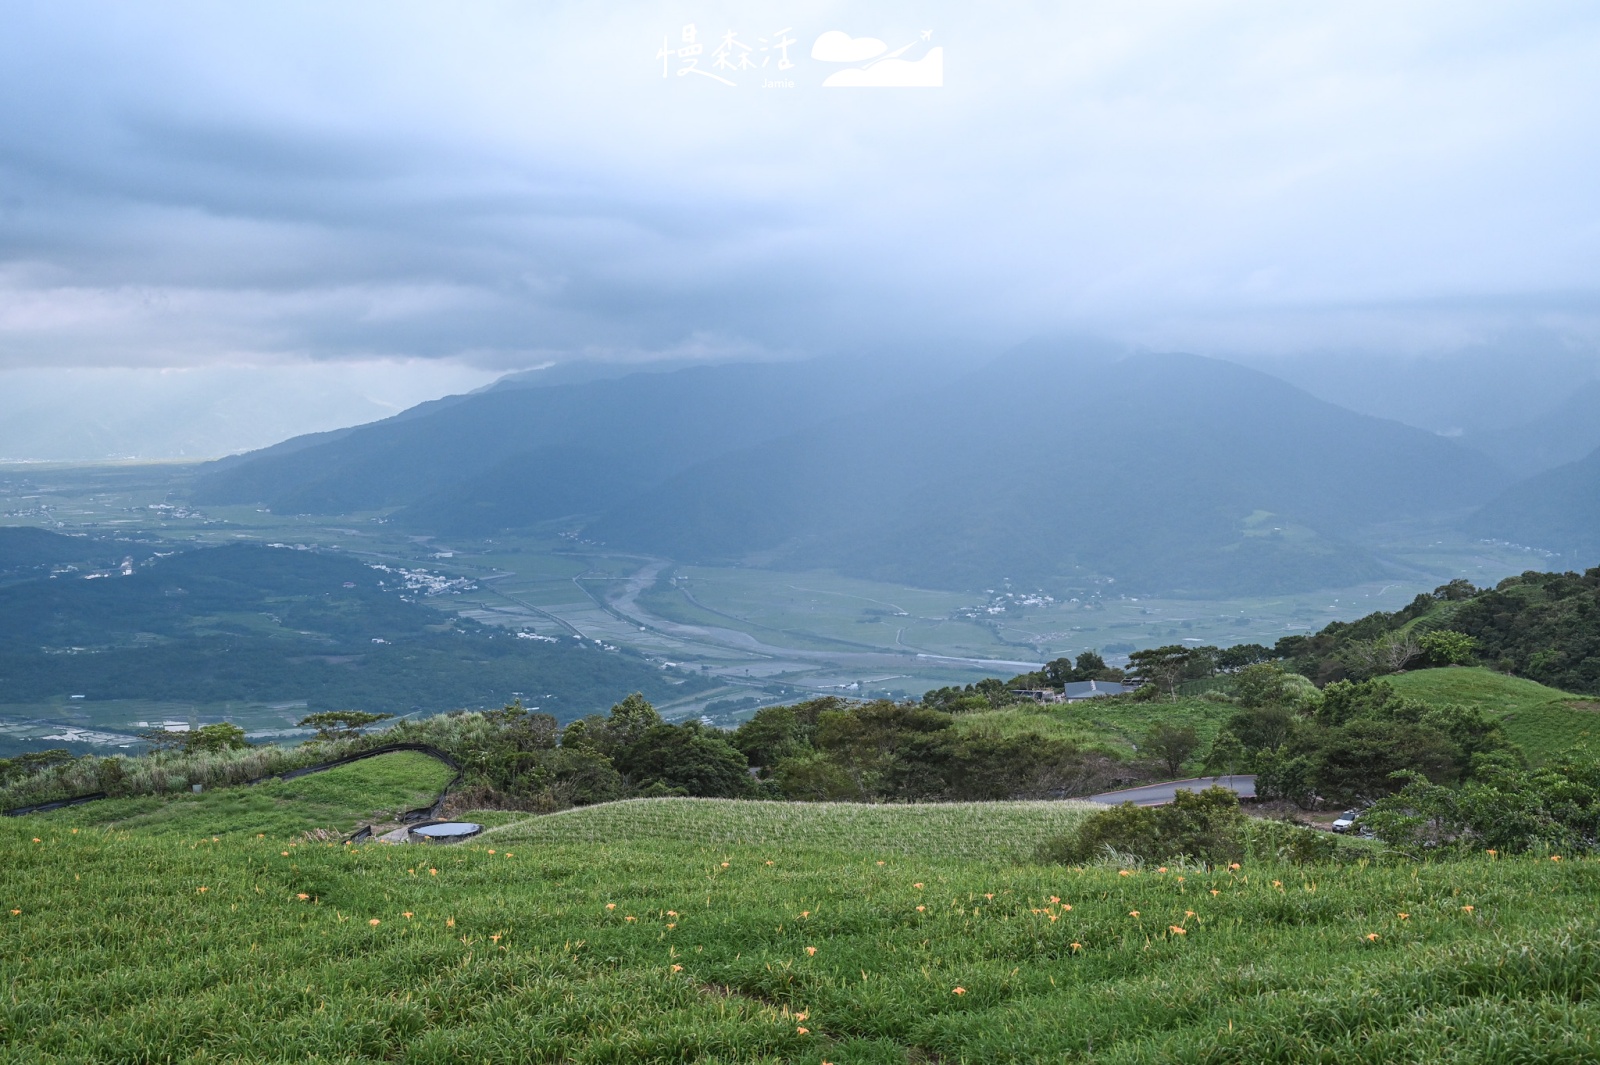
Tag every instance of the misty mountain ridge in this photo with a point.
(1057, 465)
(1557, 511)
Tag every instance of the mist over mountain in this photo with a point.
(1557, 510)
(1059, 464)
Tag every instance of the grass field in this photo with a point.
(337, 800)
(646, 932)
(1115, 727)
(1545, 722)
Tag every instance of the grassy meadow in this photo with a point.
(715, 931)
(1545, 722)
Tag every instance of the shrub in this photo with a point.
(1205, 826)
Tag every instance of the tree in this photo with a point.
(1446, 647)
(1232, 659)
(1262, 728)
(211, 739)
(1171, 745)
(341, 724)
(690, 757)
(1226, 755)
(1163, 666)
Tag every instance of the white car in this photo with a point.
(1346, 821)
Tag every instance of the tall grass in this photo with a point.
(807, 943)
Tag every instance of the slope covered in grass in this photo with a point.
(1545, 722)
(128, 946)
(338, 800)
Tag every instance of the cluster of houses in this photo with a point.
(1074, 692)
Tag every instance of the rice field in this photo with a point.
(700, 931)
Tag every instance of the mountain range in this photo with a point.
(1057, 465)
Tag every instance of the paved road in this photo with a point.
(1156, 794)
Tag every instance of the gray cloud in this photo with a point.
(186, 185)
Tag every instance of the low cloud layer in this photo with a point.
(501, 185)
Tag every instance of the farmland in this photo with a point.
(682, 930)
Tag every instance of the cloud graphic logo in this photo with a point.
(924, 73)
(836, 46)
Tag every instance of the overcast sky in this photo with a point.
(499, 185)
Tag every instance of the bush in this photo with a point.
(1205, 826)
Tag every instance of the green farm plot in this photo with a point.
(1545, 722)
(1001, 831)
(625, 940)
(1117, 726)
(338, 800)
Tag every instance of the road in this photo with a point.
(1158, 794)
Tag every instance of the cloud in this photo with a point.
(836, 46)
(924, 73)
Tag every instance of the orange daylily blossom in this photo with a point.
(284, 853)
(921, 908)
(36, 839)
(1124, 872)
(16, 913)
(302, 896)
(1372, 937)
(630, 919)
(1055, 898)
(880, 863)
(203, 890)
(1277, 883)
(802, 1031)
(1133, 913)
(1178, 930)
(672, 924)
(433, 872)
(989, 896)
(672, 913)
(1162, 869)
(724, 865)
(1054, 917)
(1555, 857)
(408, 915)
(677, 968)
(802, 1015)
(374, 922)
(449, 922)
(1466, 909)
(1077, 946)
(611, 905)
(1405, 916)
(1235, 865)
(1065, 908)
(495, 938)
(811, 951)
(958, 991)
(769, 862)
(491, 850)
(1188, 913)
(917, 886)
(1215, 892)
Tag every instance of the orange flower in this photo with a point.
(302, 896)
(989, 896)
(1178, 930)
(1162, 869)
(285, 853)
(917, 886)
(630, 919)
(1055, 898)
(921, 908)
(1054, 917)
(36, 839)
(433, 872)
(1133, 913)
(408, 915)
(1466, 909)
(1372, 937)
(677, 968)
(16, 913)
(1077, 946)
(1188, 913)
(769, 862)
(1065, 908)
(805, 913)
(958, 991)
(724, 865)
(1235, 865)
(802, 1031)
(880, 863)
(74, 832)
(1404, 916)
(495, 938)
(203, 890)
(1555, 857)
(811, 951)
(1277, 883)
(449, 922)
(1215, 892)
(374, 922)
(1124, 872)
(802, 1015)
(672, 913)
(1492, 852)
(611, 905)
(261, 835)
(672, 924)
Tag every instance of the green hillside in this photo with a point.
(337, 800)
(666, 941)
(1544, 722)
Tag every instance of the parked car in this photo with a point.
(1346, 821)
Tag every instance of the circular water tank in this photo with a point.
(447, 832)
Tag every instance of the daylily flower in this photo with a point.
(810, 951)
(302, 896)
(958, 991)
(1178, 930)
(374, 922)
(1372, 937)
(1133, 913)
(677, 968)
